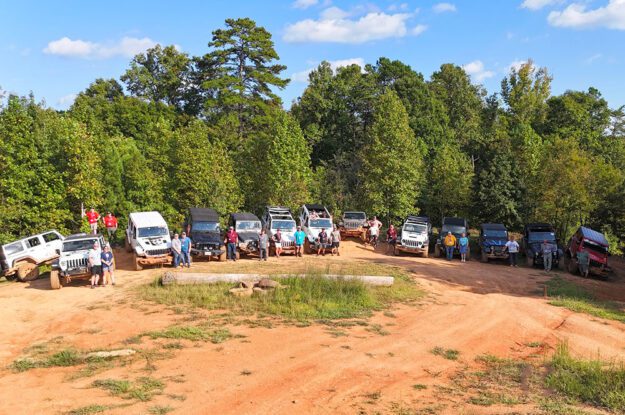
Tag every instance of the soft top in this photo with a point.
(539, 226)
(147, 219)
(594, 236)
(455, 221)
(418, 219)
(79, 236)
(204, 214)
(315, 206)
(494, 226)
(244, 216)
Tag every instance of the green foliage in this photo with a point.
(142, 389)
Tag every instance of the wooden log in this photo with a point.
(206, 278)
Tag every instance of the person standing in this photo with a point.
(322, 240)
(450, 245)
(107, 265)
(374, 231)
(583, 262)
(232, 239)
(93, 217)
(95, 263)
(110, 223)
(336, 241)
(547, 249)
(176, 249)
(300, 236)
(463, 247)
(277, 241)
(185, 250)
(391, 237)
(513, 250)
(263, 245)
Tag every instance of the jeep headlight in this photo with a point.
(139, 250)
(63, 264)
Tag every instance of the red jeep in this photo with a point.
(592, 242)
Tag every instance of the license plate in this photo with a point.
(208, 253)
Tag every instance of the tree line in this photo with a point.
(177, 131)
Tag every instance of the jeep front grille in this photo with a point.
(288, 244)
(412, 244)
(352, 224)
(77, 263)
(596, 264)
(156, 252)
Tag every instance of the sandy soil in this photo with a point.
(474, 308)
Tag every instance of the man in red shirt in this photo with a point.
(93, 217)
(391, 237)
(110, 223)
(232, 238)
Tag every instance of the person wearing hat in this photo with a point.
(450, 245)
(107, 265)
(300, 236)
(232, 239)
(95, 264)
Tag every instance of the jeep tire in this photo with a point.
(127, 246)
(307, 249)
(224, 255)
(426, 253)
(138, 266)
(571, 265)
(437, 251)
(27, 272)
(55, 282)
(484, 257)
(530, 259)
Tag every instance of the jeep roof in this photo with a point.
(417, 219)
(493, 226)
(455, 221)
(146, 219)
(203, 214)
(279, 212)
(244, 216)
(594, 236)
(79, 236)
(315, 207)
(539, 227)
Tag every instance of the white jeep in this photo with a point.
(415, 236)
(313, 218)
(147, 235)
(22, 258)
(73, 260)
(280, 218)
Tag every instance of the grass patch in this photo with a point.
(63, 358)
(160, 410)
(377, 329)
(88, 410)
(192, 333)
(419, 386)
(307, 298)
(449, 354)
(143, 389)
(570, 295)
(594, 382)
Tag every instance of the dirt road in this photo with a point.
(282, 369)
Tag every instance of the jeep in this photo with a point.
(280, 218)
(414, 236)
(597, 246)
(354, 224)
(313, 218)
(534, 234)
(457, 226)
(147, 236)
(492, 241)
(247, 226)
(21, 259)
(73, 261)
(202, 226)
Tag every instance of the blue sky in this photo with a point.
(56, 49)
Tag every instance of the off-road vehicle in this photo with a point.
(597, 247)
(414, 236)
(202, 226)
(354, 224)
(534, 234)
(73, 261)
(247, 225)
(457, 226)
(21, 259)
(492, 241)
(147, 236)
(313, 218)
(280, 218)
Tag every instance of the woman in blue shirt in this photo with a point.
(463, 247)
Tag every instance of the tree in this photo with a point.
(525, 91)
(391, 159)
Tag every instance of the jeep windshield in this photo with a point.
(79, 245)
(285, 225)
(541, 236)
(454, 229)
(495, 233)
(151, 231)
(205, 227)
(355, 215)
(415, 227)
(321, 223)
(248, 225)
(595, 247)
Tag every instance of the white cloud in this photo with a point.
(418, 29)
(302, 76)
(395, 7)
(335, 26)
(576, 15)
(443, 7)
(127, 47)
(67, 100)
(593, 58)
(538, 4)
(516, 65)
(476, 70)
(304, 4)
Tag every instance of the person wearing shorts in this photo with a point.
(95, 264)
(463, 247)
(322, 241)
(277, 241)
(336, 241)
(107, 266)
(93, 217)
(513, 249)
(110, 222)
(300, 236)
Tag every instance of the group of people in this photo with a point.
(181, 250)
(102, 265)
(450, 241)
(109, 220)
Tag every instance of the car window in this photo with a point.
(13, 248)
(33, 242)
(49, 237)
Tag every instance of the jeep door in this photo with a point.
(53, 241)
(36, 249)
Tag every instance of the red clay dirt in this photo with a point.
(475, 308)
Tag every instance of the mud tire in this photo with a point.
(437, 251)
(55, 282)
(138, 266)
(425, 254)
(484, 257)
(27, 272)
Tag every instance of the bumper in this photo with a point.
(406, 248)
(356, 233)
(76, 272)
(498, 255)
(207, 252)
(154, 260)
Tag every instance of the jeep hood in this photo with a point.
(83, 253)
(153, 240)
(206, 237)
(415, 236)
(495, 241)
(248, 236)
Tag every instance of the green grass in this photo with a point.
(143, 389)
(590, 381)
(88, 410)
(307, 298)
(160, 410)
(419, 386)
(449, 354)
(63, 358)
(192, 333)
(569, 295)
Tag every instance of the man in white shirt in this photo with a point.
(374, 229)
(513, 249)
(95, 263)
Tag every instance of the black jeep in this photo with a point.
(457, 226)
(534, 235)
(247, 225)
(202, 226)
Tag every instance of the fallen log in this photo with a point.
(202, 278)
